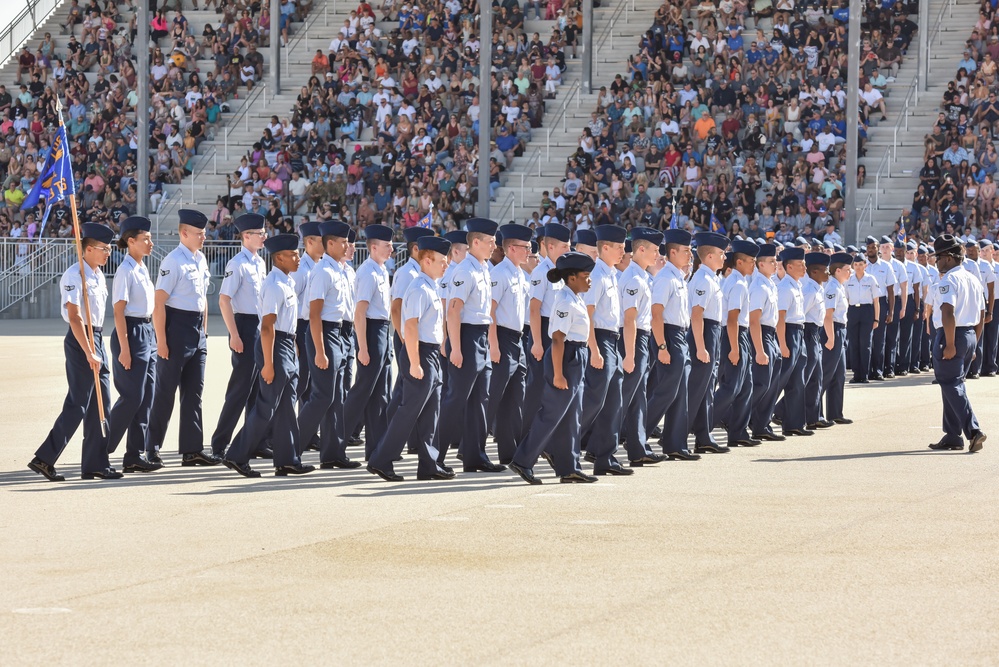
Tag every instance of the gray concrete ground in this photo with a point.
(855, 546)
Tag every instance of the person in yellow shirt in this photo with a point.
(704, 125)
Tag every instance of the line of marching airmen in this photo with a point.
(561, 353)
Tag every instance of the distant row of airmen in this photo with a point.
(565, 353)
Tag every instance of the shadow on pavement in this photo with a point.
(865, 455)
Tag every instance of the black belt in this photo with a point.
(676, 327)
(574, 345)
(138, 320)
(767, 329)
(283, 335)
(607, 332)
(101, 329)
(375, 320)
(508, 330)
(332, 326)
(839, 325)
(246, 316)
(788, 325)
(860, 305)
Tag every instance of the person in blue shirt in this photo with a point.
(308, 260)
(274, 351)
(834, 337)
(555, 432)
(813, 292)
(790, 333)
(704, 337)
(763, 317)
(420, 386)
(133, 346)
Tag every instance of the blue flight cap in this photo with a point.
(628, 249)
(310, 229)
(352, 235)
(828, 245)
(281, 242)
(869, 240)
(767, 250)
(745, 248)
(985, 243)
(791, 253)
(557, 231)
(816, 259)
(435, 243)
(838, 248)
(248, 221)
(586, 237)
(378, 233)
(499, 236)
(898, 244)
(911, 245)
(922, 250)
(662, 249)
(841, 258)
(516, 232)
(710, 239)
(574, 261)
(886, 239)
(96, 231)
(457, 236)
(135, 223)
(859, 258)
(412, 234)
(761, 241)
(676, 237)
(336, 228)
(611, 233)
(970, 242)
(193, 218)
(852, 249)
(535, 247)
(539, 232)
(653, 236)
(481, 226)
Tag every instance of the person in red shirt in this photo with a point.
(25, 63)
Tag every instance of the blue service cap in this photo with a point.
(557, 231)
(352, 235)
(886, 239)
(801, 240)
(745, 248)
(711, 239)
(516, 232)
(911, 245)
(897, 243)
(791, 253)
(841, 258)
(586, 237)
(378, 233)
(248, 221)
(412, 234)
(611, 233)
(336, 228)
(312, 229)
(535, 247)
(838, 248)
(922, 249)
(193, 218)
(281, 242)
(970, 242)
(985, 243)
(627, 246)
(869, 240)
(481, 226)
(499, 236)
(760, 240)
(852, 248)
(676, 237)
(816, 259)
(457, 236)
(828, 245)
(767, 250)
(96, 231)
(574, 261)
(135, 223)
(435, 243)
(653, 236)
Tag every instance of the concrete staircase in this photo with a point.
(899, 170)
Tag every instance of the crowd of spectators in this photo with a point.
(957, 183)
(387, 127)
(732, 116)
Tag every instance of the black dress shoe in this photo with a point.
(943, 445)
(447, 469)
(354, 441)
(589, 458)
(142, 466)
(505, 461)
(683, 455)
(578, 478)
(842, 420)
(387, 476)
(857, 381)
(657, 432)
(300, 469)
(526, 474)
(915, 371)
(154, 457)
(340, 463)
(440, 474)
(484, 467)
(798, 431)
(878, 377)
(751, 442)
(901, 374)
(777, 420)
(988, 375)
(972, 376)
(615, 470)
(243, 469)
(107, 473)
(889, 376)
(45, 470)
(264, 453)
(203, 458)
(711, 449)
(820, 424)
(977, 442)
(647, 460)
(769, 437)
(925, 369)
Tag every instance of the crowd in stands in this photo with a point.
(387, 127)
(732, 117)
(957, 184)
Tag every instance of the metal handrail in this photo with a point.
(243, 113)
(866, 212)
(608, 33)
(884, 168)
(18, 32)
(560, 116)
(902, 121)
(509, 205)
(948, 8)
(535, 158)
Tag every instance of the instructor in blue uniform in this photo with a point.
(313, 253)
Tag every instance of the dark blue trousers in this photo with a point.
(834, 371)
(859, 333)
(733, 399)
(130, 413)
(958, 417)
(991, 345)
(417, 416)
(185, 369)
(367, 400)
(976, 363)
(792, 379)
(703, 379)
(635, 400)
(535, 376)
(81, 406)
(507, 387)
(766, 383)
(324, 410)
(273, 413)
(556, 428)
(813, 372)
(916, 346)
(926, 355)
(878, 344)
(669, 399)
(348, 369)
(242, 388)
(892, 337)
(905, 325)
(465, 399)
(602, 397)
(304, 370)
(402, 360)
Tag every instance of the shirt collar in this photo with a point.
(672, 268)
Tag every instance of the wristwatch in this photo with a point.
(663, 346)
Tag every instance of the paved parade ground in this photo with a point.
(855, 546)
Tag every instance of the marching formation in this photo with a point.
(616, 349)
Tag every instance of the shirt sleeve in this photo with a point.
(119, 287)
(757, 297)
(414, 304)
(271, 299)
(365, 287)
(561, 320)
(319, 283)
(499, 282)
(71, 292)
(661, 292)
(232, 278)
(630, 294)
(946, 293)
(784, 298)
(169, 275)
(461, 285)
(592, 296)
(829, 296)
(538, 286)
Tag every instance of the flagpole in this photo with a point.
(83, 286)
